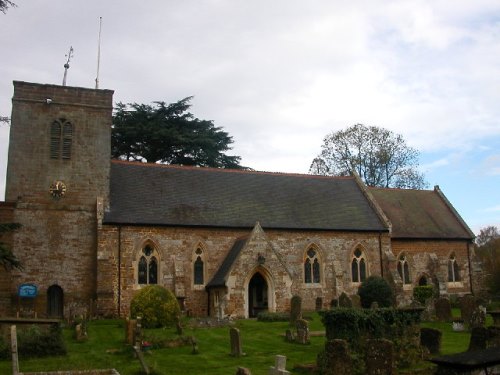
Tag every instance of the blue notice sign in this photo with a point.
(28, 290)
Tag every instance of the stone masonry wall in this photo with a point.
(176, 247)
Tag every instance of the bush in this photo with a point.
(375, 289)
(266, 316)
(156, 305)
(422, 293)
(34, 342)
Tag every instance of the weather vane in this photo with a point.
(66, 66)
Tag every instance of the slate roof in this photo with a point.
(421, 214)
(153, 194)
(220, 276)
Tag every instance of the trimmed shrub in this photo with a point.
(422, 293)
(266, 316)
(35, 342)
(375, 289)
(156, 305)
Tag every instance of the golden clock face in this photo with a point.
(57, 189)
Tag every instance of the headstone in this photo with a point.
(319, 304)
(13, 348)
(234, 334)
(302, 331)
(243, 371)
(379, 357)
(430, 338)
(295, 309)
(478, 317)
(467, 307)
(478, 339)
(493, 337)
(338, 358)
(80, 334)
(443, 309)
(458, 325)
(430, 309)
(289, 336)
(178, 326)
(279, 367)
(130, 325)
(344, 300)
(356, 301)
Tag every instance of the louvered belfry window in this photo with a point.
(61, 139)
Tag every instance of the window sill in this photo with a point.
(407, 287)
(456, 284)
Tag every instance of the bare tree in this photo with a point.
(5, 4)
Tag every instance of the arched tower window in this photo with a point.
(453, 269)
(358, 266)
(198, 268)
(404, 269)
(147, 267)
(61, 139)
(312, 267)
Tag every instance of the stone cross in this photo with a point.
(279, 367)
(234, 334)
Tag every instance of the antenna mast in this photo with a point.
(66, 66)
(98, 54)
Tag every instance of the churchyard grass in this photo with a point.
(261, 341)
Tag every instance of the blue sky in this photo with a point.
(280, 75)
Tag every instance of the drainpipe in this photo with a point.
(380, 254)
(119, 269)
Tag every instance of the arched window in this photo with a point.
(61, 139)
(453, 269)
(312, 267)
(147, 267)
(404, 269)
(358, 266)
(198, 268)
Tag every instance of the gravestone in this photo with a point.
(295, 309)
(302, 331)
(179, 328)
(279, 367)
(234, 334)
(356, 301)
(478, 339)
(430, 338)
(130, 330)
(379, 357)
(430, 309)
(338, 358)
(493, 337)
(443, 309)
(467, 307)
(80, 334)
(319, 304)
(344, 300)
(243, 371)
(289, 336)
(478, 317)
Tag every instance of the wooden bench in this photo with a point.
(469, 361)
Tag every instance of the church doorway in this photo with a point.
(257, 295)
(55, 301)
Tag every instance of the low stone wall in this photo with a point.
(75, 372)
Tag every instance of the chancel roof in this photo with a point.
(152, 194)
(425, 214)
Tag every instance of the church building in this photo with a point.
(226, 242)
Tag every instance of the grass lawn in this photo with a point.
(261, 341)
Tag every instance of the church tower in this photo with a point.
(58, 182)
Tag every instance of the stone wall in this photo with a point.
(119, 250)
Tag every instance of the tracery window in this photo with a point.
(61, 139)
(404, 269)
(358, 266)
(312, 267)
(198, 268)
(453, 269)
(147, 268)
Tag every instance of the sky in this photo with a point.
(280, 75)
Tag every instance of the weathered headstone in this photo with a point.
(344, 300)
(379, 357)
(234, 334)
(430, 338)
(80, 333)
(279, 367)
(130, 331)
(458, 325)
(319, 304)
(13, 348)
(289, 336)
(478, 317)
(302, 331)
(295, 309)
(467, 306)
(478, 339)
(338, 358)
(356, 301)
(430, 309)
(443, 309)
(243, 371)
(179, 328)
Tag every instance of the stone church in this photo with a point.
(226, 242)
